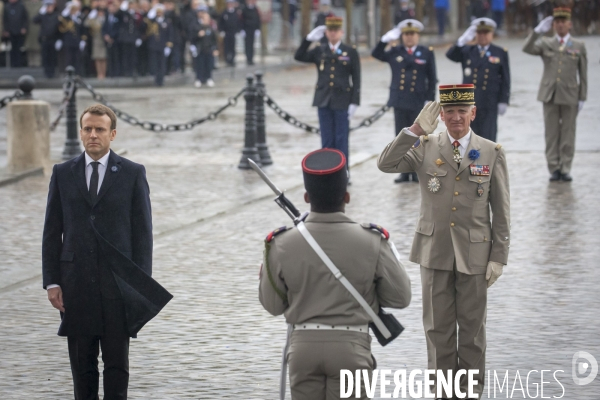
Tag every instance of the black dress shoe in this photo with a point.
(402, 178)
(414, 177)
(566, 177)
(555, 176)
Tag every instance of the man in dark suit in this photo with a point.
(97, 257)
(485, 65)
(338, 85)
(251, 28)
(414, 77)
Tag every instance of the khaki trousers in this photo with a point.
(316, 357)
(559, 122)
(451, 299)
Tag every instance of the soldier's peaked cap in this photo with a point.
(333, 23)
(454, 95)
(325, 170)
(410, 25)
(484, 24)
(561, 12)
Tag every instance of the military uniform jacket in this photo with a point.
(70, 30)
(338, 83)
(159, 34)
(129, 28)
(205, 44)
(414, 77)
(454, 222)
(230, 22)
(562, 66)
(48, 26)
(490, 73)
(295, 282)
(250, 19)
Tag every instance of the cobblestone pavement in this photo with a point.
(214, 340)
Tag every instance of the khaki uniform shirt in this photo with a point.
(295, 282)
(563, 64)
(455, 221)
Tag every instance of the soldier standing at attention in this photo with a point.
(47, 18)
(485, 65)
(337, 95)
(251, 28)
(461, 251)
(565, 60)
(414, 77)
(230, 24)
(330, 328)
(160, 42)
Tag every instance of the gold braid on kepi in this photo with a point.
(457, 95)
(562, 12)
(333, 23)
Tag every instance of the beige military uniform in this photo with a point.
(563, 85)
(455, 238)
(295, 282)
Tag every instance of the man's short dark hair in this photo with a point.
(100, 109)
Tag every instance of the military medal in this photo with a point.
(322, 66)
(439, 162)
(434, 185)
(479, 190)
(457, 158)
(399, 58)
(479, 170)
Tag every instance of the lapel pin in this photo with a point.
(114, 168)
(439, 162)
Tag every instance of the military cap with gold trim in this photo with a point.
(562, 12)
(484, 24)
(457, 95)
(333, 23)
(410, 25)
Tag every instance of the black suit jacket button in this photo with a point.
(93, 280)
(93, 217)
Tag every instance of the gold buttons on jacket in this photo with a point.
(475, 70)
(414, 77)
(414, 71)
(453, 208)
(330, 83)
(331, 76)
(474, 75)
(559, 71)
(483, 88)
(402, 81)
(456, 193)
(458, 178)
(412, 89)
(413, 84)
(402, 69)
(485, 76)
(402, 76)
(333, 68)
(452, 224)
(401, 87)
(487, 70)
(557, 79)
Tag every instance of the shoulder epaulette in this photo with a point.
(276, 232)
(498, 146)
(378, 228)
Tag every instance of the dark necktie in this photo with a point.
(456, 152)
(94, 182)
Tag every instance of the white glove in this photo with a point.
(393, 34)
(93, 14)
(167, 51)
(502, 107)
(58, 45)
(124, 5)
(43, 10)
(151, 14)
(494, 271)
(316, 34)
(242, 34)
(466, 37)
(426, 101)
(66, 12)
(138, 42)
(82, 45)
(194, 50)
(428, 117)
(257, 34)
(580, 107)
(351, 110)
(544, 26)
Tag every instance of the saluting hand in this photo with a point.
(316, 34)
(545, 25)
(56, 298)
(393, 34)
(427, 120)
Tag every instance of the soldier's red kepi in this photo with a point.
(325, 170)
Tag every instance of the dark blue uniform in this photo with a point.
(489, 71)
(230, 23)
(112, 28)
(70, 33)
(129, 32)
(48, 35)
(160, 35)
(338, 86)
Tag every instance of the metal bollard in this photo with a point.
(72, 148)
(26, 83)
(249, 151)
(261, 128)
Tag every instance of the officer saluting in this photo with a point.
(330, 328)
(485, 65)
(338, 86)
(414, 77)
(563, 96)
(461, 252)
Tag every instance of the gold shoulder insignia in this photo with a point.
(498, 146)
(430, 48)
(425, 138)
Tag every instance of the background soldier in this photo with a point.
(251, 28)
(110, 32)
(461, 252)
(485, 65)
(16, 25)
(129, 34)
(70, 30)
(47, 18)
(160, 42)
(414, 76)
(565, 59)
(203, 46)
(330, 327)
(338, 86)
(230, 25)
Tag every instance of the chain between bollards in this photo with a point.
(72, 148)
(261, 122)
(250, 151)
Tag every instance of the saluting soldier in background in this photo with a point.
(461, 252)
(337, 95)
(70, 35)
(47, 18)
(565, 60)
(330, 328)
(414, 77)
(129, 35)
(160, 42)
(486, 66)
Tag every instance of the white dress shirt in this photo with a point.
(565, 38)
(88, 175)
(334, 47)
